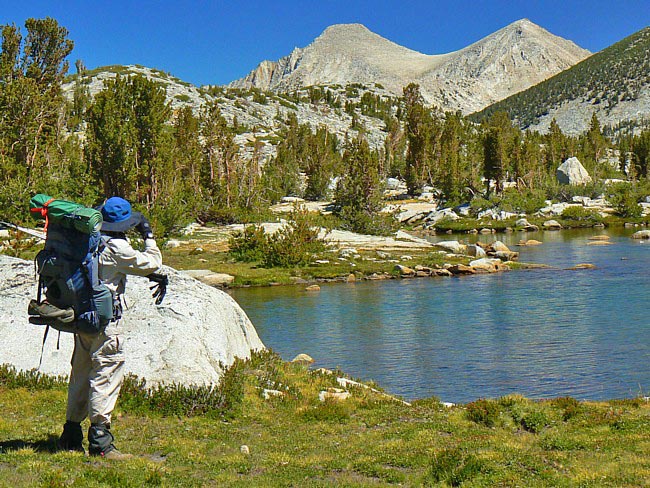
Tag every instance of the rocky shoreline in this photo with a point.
(402, 256)
(406, 254)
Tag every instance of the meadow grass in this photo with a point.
(296, 440)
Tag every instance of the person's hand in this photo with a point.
(144, 228)
(160, 286)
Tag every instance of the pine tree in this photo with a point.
(555, 146)
(452, 159)
(320, 160)
(359, 191)
(221, 156)
(125, 134)
(31, 133)
(188, 153)
(532, 171)
(394, 148)
(31, 73)
(80, 98)
(281, 175)
(641, 153)
(497, 146)
(417, 126)
(594, 144)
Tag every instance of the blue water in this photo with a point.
(540, 333)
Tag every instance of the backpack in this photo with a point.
(70, 296)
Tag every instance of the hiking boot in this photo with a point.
(114, 455)
(100, 443)
(49, 311)
(71, 438)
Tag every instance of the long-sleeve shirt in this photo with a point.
(120, 259)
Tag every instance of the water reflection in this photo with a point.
(542, 333)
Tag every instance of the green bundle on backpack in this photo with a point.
(68, 214)
(71, 297)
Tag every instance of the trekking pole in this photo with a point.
(31, 232)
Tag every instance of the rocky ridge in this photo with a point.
(505, 62)
(261, 117)
(613, 84)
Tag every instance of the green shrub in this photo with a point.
(454, 467)
(624, 198)
(22, 246)
(171, 214)
(260, 98)
(560, 443)
(10, 377)
(478, 204)
(629, 425)
(581, 215)
(221, 215)
(484, 412)
(328, 411)
(534, 421)
(511, 401)
(635, 402)
(295, 243)
(378, 224)
(249, 245)
(518, 201)
(570, 406)
(565, 193)
(186, 401)
(528, 415)
(628, 207)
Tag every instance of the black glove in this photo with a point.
(144, 228)
(160, 286)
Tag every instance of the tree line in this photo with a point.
(185, 164)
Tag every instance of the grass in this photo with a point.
(295, 440)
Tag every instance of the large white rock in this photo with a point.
(572, 172)
(642, 234)
(556, 208)
(476, 251)
(188, 339)
(437, 215)
(393, 183)
(452, 246)
(496, 215)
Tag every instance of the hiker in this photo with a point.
(98, 359)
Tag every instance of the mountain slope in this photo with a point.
(614, 84)
(512, 59)
(260, 117)
(342, 54)
(508, 61)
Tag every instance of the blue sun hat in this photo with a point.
(118, 216)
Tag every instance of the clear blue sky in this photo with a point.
(214, 42)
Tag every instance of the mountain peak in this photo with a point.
(339, 35)
(525, 27)
(509, 60)
(345, 28)
(523, 23)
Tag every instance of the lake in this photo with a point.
(540, 333)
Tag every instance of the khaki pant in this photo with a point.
(96, 377)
